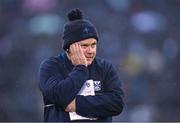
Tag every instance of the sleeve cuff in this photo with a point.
(81, 106)
(81, 67)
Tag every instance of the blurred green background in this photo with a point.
(141, 37)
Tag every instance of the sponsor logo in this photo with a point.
(87, 84)
(97, 85)
(86, 30)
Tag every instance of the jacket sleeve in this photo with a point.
(109, 103)
(55, 87)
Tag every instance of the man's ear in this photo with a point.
(68, 54)
(68, 51)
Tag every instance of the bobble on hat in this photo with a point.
(77, 29)
(75, 15)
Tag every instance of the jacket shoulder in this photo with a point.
(54, 60)
(106, 66)
(103, 63)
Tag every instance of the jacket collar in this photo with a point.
(69, 63)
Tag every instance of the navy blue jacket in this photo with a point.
(60, 82)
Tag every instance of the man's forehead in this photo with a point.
(88, 41)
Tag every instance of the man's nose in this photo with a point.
(89, 49)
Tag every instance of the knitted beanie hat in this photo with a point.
(77, 29)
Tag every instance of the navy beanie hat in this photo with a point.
(77, 29)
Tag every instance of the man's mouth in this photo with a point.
(89, 58)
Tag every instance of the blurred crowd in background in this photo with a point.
(141, 37)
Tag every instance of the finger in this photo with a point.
(81, 53)
(68, 109)
(82, 56)
(72, 55)
(78, 52)
(72, 48)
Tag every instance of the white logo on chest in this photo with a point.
(97, 85)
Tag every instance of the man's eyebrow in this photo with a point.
(86, 44)
(94, 43)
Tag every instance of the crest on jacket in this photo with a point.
(97, 85)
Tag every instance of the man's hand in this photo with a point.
(76, 55)
(71, 107)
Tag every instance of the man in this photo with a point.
(63, 77)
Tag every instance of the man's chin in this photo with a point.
(89, 62)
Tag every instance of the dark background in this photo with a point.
(141, 37)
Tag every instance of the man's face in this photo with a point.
(89, 49)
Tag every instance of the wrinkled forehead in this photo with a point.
(88, 41)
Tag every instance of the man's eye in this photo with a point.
(93, 45)
(83, 46)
